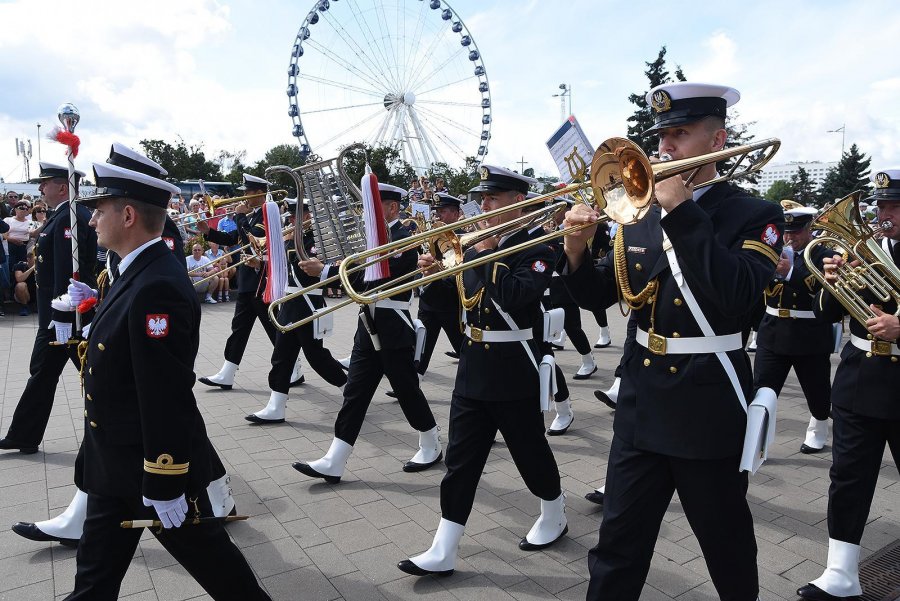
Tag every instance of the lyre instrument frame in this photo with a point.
(298, 210)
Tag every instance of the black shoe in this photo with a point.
(562, 431)
(452, 354)
(298, 381)
(811, 591)
(557, 347)
(8, 445)
(304, 469)
(808, 450)
(410, 568)
(601, 396)
(409, 466)
(595, 496)
(255, 419)
(208, 382)
(584, 376)
(526, 546)
(30, 531)
(391, 394)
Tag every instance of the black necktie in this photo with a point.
(115, 274)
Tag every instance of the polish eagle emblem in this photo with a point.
(157, 326)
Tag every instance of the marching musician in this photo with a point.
(251, 280)
(384, 345)
(790, 335)
(497, 383)
(53, 268)
(146, 453)
(691, 271)
(864, 408)
(288, 344)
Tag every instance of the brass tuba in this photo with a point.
(843, 230)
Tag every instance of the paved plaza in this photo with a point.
(311, 541)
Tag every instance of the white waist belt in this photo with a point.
(882, 348)
(392, 304)
(293, 289)
(790, 313)
(479, 335)
(660, 345)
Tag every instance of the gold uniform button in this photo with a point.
(91, 371)
(869, 354)
(646, 362)
(676, 335)
(677, 302)
(487, 309)
(486, 328)
(470, 343)
(487, 346)
(894, 359)
(868, 336)
(93, 424)
(638, 267)
(85, 412)
(89, 397)
(673, 369)
(101, 346)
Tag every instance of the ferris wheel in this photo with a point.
(400, 73)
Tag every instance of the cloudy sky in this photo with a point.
(215, 73)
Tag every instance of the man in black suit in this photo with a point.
(498, 380)
(695, 266)
(146, 451)
(53, 268)
(384, 345)
(864, 408)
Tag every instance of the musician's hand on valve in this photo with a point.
(242, 208)
(883, 325)
(672, 191)
(576, 242)
(254, 263)
(830, 267)
(203, 227)
(487, 244)
(427, 264)
(313, 267)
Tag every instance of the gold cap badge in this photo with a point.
(661, 101)
(485, 173)
(882, 180)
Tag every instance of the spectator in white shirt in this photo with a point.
(201, 267)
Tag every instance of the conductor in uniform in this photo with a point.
(53, 269)
(864, 408)
(497, 383)
(694, 267)
(251, 281)
(146, 452)
(790, 334)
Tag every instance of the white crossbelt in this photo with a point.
(479, 335)
(293, 289)
(688, 346)
(881, 348)
(784, 313)
(392, 304)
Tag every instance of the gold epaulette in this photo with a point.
(164, 466)
(762, 248)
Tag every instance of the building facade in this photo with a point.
(785, 171)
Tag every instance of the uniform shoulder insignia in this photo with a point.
(170, 242)
(67, 233)
(770, 235)
(539, 266)
(157, 325)
(810, 282)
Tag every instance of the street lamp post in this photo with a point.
(566, 92)
(842, 130)
(39, 142)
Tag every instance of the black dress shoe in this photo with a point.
(8, 445)
(584, 376)
(526, 546)
(409, 466)
(208, 382)
(306, 470)
(557, 347)
(255, 419)
(808, 450)
(561, 431)
(298, 381)
(601, 396)
(811, 591)
(595, 496)
(391, 394)
(410, 568)
(452, 354)
(30, 531)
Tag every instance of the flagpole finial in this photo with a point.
(69, 116)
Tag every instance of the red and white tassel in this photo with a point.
(276, 263)
(376, 230)
(69, 139)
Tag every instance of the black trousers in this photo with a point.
(367, 367)
(473, 426)
(639, 488)
(574, 331)
(205, 551)
(600, 316)
(857, 450)
(33, 411)
(434, 322)
(249, 307)
(562, 389)
(287, 349)
(813, 372)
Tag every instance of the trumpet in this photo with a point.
(621, 186)
(254, 249)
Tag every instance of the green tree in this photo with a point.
(283, 154)
(386, 164)
(804, 188)
(181, 160)
(643, 117)
(779, 190)
(850, 174)
(458, 181)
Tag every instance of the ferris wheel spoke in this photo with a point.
(449, 103)
(440, 135)
(347, 66)
(353, 45)
(354, 126)
(448, 121)
(371, 39)
(424, 80)
(424, 141)
(442, 86)
(341, 108)
(338, 84)
(389, 47)
(417, 34)
(424, 58)
(382, 129)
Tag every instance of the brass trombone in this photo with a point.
(621, 186)
(257, 250)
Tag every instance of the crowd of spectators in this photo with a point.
(21, 219)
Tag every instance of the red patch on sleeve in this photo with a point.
(169, 242)
(539, 266)
(158, 325)
(770, 235)
(68, 233)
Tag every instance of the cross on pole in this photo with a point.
(522, 164)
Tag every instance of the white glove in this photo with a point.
(79, 291)
(63, 331)
(171, 513)
(62, 303)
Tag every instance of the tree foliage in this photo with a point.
(779, 190)
(803, 188)
(850, 174)
(181, 160)
(643, 117)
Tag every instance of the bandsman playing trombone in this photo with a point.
(498, 382)
(691, 271)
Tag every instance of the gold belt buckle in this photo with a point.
(882, 348)
(656, 344)
(784, 312)
(476, 334)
